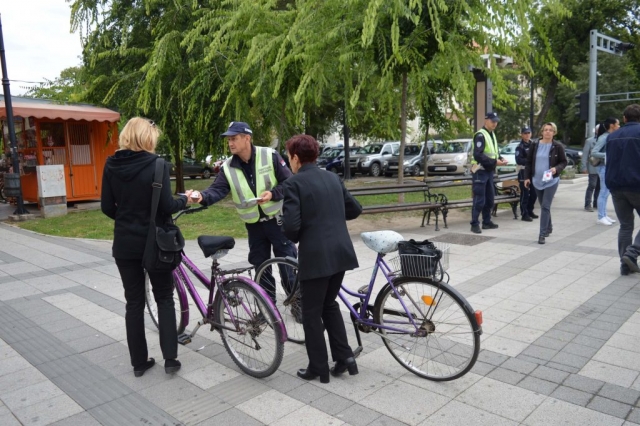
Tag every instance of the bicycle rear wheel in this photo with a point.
(445, 344)
(282, 274)
(256, 345)
(152, 307)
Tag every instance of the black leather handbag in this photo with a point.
(163, 250)
(420, 259)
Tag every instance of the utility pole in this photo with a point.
(603, 43)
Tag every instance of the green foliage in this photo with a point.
(69, 87)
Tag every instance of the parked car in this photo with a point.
(336, 165)
(508, 152)
(372, 157)
(450, 157)
(411, 151)
(193, 169)
(574, 156)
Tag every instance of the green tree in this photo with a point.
(70, 86)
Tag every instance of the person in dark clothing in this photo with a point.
(528, 197)
(485, 159)
(593, 186)
(126, 197)
(254, 176)
(545, 162)
(623, 179)
(316, 208)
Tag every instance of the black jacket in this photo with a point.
(623, 159)
(126, 198)
(522, 151)
(557, 159)
(316, 208)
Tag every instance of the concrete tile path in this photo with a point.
(561, 341)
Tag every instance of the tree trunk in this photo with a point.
(549, 97)
(403, 134)
(178, 165)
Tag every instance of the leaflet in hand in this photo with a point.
(548, 175)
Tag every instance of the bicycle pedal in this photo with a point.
(184, 339)
(364, 289)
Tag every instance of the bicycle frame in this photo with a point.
(360, 317)
(206, 310)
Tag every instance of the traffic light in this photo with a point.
(583, 106)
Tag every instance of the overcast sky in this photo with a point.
(37, 40)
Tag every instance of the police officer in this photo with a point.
(254, 176)
(528, 197)
(485, 159)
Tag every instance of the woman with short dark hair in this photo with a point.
(316, 208)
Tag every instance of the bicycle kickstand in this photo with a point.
(357, 350)
(185, 338)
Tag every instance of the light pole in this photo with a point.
(603, 43)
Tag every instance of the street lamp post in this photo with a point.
(603, 43)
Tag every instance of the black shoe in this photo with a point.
(624, 270)
(489, 225)
(541, 239)
(631, 263)
(549, 231)
(171, 366)
(588, 208)
(546, 234)
(533, 215)
(305, 373)
(342, 366)
(139, 371)
(476, 229)
(527, 219)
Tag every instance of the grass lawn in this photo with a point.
(219, 219)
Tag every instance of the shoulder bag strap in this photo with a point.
(157, 186)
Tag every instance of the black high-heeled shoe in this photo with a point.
(139, 371)
(305, 373)
(341, 366)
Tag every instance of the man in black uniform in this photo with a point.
(528, 197)
(254, 176)
(485, 159)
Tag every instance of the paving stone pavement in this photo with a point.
(561, 341)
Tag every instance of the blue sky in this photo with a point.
(37, 40)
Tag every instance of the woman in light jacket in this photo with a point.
(546, 155)
(599, 150)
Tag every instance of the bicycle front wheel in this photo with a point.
(435, 337)
(281, 274)
(152, 307)
(250, 333)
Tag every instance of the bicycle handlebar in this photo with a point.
(189, 211)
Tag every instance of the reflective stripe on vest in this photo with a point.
(490, 146)
(241, 190)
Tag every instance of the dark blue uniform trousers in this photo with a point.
(483, 196)
(262, 237)
(528, 196)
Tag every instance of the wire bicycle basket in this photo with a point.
(422, 265)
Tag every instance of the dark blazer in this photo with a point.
(557, 159)
(126, 198)
(316, 208)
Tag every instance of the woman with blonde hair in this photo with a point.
(545, 162)
(126, 197)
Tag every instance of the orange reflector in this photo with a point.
(478, 317)
(428, 300)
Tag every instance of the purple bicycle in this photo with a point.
(249, 324)
(426, 324)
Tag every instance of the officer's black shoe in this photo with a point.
(533, 215)
(541, 239)
(631, 263)
(476, 229)
(527, 219)
(489, 225)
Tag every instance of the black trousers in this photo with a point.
(320, 311)
(132, 275)
(262, 237)
(528, 197)
(593, 190)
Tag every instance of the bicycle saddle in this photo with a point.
(211, 245)
(382, 241)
